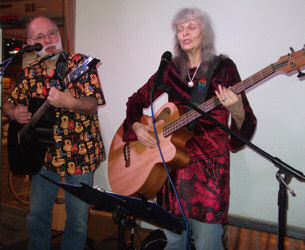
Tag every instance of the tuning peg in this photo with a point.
(301, 74)
(290, 55)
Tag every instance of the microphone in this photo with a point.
(30, 48)
(165, 59)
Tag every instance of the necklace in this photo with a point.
(191, 83)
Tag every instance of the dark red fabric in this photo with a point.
(202, 186)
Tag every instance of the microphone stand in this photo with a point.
(28, 48)
(8, 61)
(4, 64)
(284, 174)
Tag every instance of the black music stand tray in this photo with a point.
(124, 207)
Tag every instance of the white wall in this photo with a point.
(129, 36)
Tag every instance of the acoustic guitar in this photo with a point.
(26, 151)
(134, 169)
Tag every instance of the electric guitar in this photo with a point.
(133, 168)
(26, 150)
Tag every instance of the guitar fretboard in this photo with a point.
(39, 113)
(214, 102)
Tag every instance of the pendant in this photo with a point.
(190, 84)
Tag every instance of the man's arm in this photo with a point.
(85, 105)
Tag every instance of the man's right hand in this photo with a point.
(19, 113)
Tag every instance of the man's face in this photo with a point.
(42, 30)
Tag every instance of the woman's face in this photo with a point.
(190, 35)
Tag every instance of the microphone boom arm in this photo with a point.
(276, 161)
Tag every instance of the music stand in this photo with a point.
(124, 207)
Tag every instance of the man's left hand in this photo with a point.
(61, 99)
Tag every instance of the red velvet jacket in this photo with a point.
(202, 186)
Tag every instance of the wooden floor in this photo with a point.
(243, 238)
(103, 234)
(103, 231)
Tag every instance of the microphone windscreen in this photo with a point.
(31, 48)
(165, 59)
(38, 46)
(167, 56)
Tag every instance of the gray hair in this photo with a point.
(207, 47)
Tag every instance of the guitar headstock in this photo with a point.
(93, 62)
(89, 63)
(291, 62)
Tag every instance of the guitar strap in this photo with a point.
(60, 71)
(200, 89)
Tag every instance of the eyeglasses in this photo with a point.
(42, 37)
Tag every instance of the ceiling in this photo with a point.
(15, 13)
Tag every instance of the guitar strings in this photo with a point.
(214, 101)
(238, 88)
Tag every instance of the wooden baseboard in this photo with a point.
(265, 226)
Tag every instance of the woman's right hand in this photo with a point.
(145, 134)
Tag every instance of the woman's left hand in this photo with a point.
(233, 103)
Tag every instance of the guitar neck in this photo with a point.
(214, 102)
(39, 113)
(82, 68)
(35, 118)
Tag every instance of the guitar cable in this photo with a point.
(166, 169)
(4, 68)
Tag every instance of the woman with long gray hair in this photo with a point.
(198, 74)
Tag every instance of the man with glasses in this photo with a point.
(77, 149)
